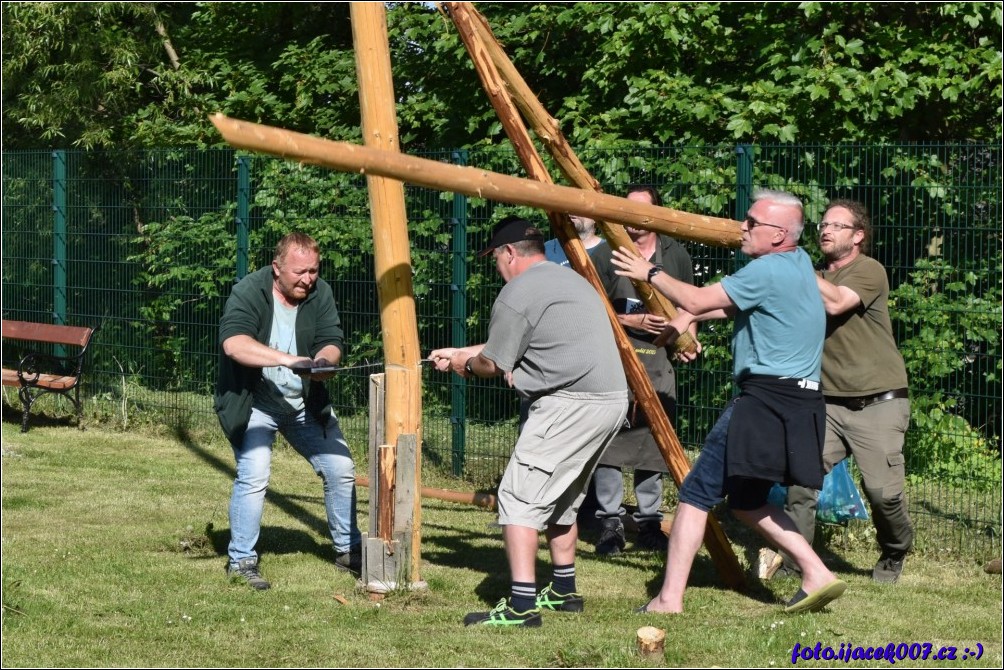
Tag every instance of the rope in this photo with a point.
(372, 365)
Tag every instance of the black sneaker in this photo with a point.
(549, 599)
(888, 569)
(351, 560)
(611, 540)
(650, 537)
(246, 570)
(503, 615)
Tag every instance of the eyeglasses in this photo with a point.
(835, 226)
(752, 223)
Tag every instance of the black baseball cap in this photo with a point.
(510, 230)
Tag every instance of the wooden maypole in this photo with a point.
(381, 161)
(402, 403)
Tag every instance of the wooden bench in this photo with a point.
(40, 372)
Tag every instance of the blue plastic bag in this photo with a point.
(778, 495)
(839, 501)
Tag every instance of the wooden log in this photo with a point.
(651, 641)
(662, 430)
(476, 182)
(549, 132)
(489, 501)
(392, 258)
(476, 498)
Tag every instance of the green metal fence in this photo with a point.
(149, 243)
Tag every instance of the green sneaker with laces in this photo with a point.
(549, 599)
(503, 615)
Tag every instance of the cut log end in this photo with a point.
(651, 641)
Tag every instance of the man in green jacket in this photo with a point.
(280, 338)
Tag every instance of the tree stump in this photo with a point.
(651, 641)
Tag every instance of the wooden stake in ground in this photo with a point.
(651, 642)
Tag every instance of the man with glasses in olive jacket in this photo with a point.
(865, 386)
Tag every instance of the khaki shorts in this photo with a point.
(555, 456)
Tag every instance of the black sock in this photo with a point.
(564, 579)
(524, 596)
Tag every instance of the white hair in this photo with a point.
(780, 197)
(784, 199)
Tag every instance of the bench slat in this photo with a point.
(42, 332)
(54, 382)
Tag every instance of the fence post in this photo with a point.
(243, 213)
(744, 190)
(59, 237)
(744, 179)
(458, 315)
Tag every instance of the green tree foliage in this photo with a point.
(951, 322)
(148, 74)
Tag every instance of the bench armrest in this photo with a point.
(32, 365)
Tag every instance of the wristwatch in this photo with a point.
(467, 367)
(653, 271)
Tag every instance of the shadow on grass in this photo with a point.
(273, 539)
(469, 549)
(13, 415)
(704, 574)
(482, 550)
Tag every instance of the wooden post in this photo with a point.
(662, 430)
(387, 564)
(376, 440)
(392, 256)
(476, 182)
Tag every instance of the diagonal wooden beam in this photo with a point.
(475, 182)
(548, 131)
(662, 430)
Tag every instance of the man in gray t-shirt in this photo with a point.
(550, 337)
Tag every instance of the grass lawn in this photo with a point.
(113, 555)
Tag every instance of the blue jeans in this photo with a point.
(325, 449)
(704, 486)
